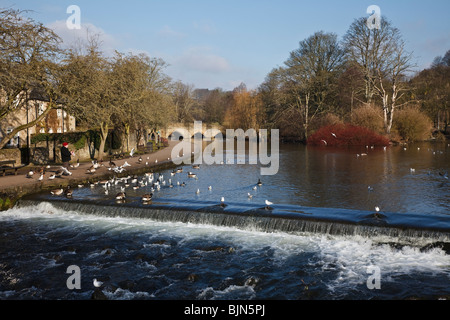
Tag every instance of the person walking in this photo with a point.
(66, 155)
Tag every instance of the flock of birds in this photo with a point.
(152, 182)
(155, 181)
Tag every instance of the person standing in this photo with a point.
(66, 155)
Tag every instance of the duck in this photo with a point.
(192, 175)
(57, 192)
(91, 170)
(68, 192)
(196, 166)
(76, 165)
(147, 197)
(121, 196)
(259, 182)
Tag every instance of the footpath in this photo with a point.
(12, 187)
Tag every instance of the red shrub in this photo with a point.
(346, 135)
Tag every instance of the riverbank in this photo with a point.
(13, 187)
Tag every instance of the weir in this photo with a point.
(283, 218)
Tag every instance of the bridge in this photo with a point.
(181, 130)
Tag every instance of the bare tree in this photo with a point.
(29, 55)
(311, 73)
(381, 55)
(183, 100)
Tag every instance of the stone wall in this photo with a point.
(11, 154)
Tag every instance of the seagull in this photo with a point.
(412, 170)
(198, 191)
(369, 188)
(334, 135)
(222, 202)
(210, 188)
(65, 171)
(126, 164)
(52, 176)
(249, 195)
(41, 177)
(97, 283)
(30, 174)
(324, 142)
(132, 152)
(377, 209)
(268, 204)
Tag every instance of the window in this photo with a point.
(14, 141)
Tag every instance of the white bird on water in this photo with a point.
(97, 283)
(268, 203)
(377, 209)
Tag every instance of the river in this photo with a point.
(165, 256)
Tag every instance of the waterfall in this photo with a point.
(286, 219)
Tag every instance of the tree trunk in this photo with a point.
(127, 132)
(103, 136)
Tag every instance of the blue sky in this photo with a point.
(212, 43)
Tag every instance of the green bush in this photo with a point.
(412, 124)
(77, 139)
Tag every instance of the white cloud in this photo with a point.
(70, 37)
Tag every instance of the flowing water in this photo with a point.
(320, 239)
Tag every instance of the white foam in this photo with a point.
(347, 256)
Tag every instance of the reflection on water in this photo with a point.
(399, 179)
